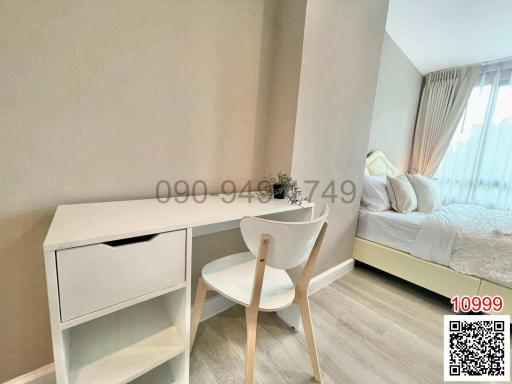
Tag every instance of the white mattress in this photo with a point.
(468, 239)
(390, 228)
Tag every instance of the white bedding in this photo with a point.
(435, 238)
(469, 239)
(390, 228)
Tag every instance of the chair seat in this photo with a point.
(233, 276)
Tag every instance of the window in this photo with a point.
(477, 167)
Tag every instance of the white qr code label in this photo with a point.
(477, 348)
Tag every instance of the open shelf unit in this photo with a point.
(132, 361)
(128, 344)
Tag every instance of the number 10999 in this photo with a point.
(467, 304)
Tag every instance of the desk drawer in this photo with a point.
(98, 276)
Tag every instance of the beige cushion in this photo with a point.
(426, 193)
(401, 194)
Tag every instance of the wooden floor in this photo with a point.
(370, 328)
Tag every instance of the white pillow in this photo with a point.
(426, 192)
(375, 196)
(401, 193)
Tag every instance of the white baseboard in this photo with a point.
(215, 305)
(43, 375)
(291, 315)
(332, 274)
(212, 306)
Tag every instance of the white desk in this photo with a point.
(118, 277)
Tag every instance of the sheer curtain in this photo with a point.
(477, 167)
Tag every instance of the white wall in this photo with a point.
(340, 63)
(396, 105)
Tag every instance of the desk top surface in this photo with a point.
(83, 224)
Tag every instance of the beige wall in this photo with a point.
(396, 105)
(288, 33)
(340, 62)
(100, 100)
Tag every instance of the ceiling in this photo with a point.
(438, 34)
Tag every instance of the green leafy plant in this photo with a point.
(284, 186)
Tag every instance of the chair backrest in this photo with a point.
(291, 242)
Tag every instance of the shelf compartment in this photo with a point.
(129, 363)
(164, 374)
(121, 347)
(120, 306)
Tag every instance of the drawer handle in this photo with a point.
(130, 240)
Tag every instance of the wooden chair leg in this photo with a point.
(310, 336)
(251, 318)
(201, 291)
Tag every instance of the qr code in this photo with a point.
(477, 348)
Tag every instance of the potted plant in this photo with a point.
(284, 187)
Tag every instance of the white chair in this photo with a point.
(258, 280)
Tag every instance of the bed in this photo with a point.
(457, 250)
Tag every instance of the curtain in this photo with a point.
(477, 167)
(443, 99)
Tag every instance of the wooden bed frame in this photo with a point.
(434, 277)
